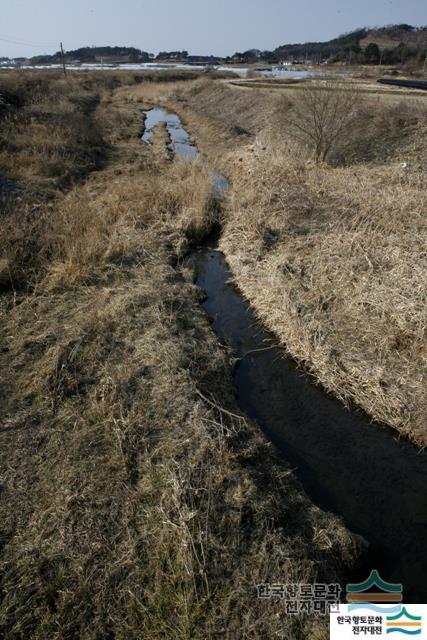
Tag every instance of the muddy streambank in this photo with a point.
(346, 464)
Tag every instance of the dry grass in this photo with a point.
(51, 138)
(331, 259)
(54, 130)
(131, 506)
(334, 259)
(334, 262)
(224, 115)
(50, 134)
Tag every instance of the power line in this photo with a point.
(24, 42)
(6, 35)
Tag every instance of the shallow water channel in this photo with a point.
(347, 465)
(179, 138)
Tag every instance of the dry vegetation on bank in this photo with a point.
(130, 506)
(332, 256)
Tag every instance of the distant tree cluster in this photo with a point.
(394, 29)
(172, 55)
(402, 53)
(341, 48)
(310, 51)
(397, 55)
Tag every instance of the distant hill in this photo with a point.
(95, 54)
(392, 36)
(397, 42)
(393, 44)
(346, 42)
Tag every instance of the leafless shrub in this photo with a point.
(323, 113)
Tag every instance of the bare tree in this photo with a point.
(324, 109)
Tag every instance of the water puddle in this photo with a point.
(179, 139)
(180, 143)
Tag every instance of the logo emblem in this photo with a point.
(375, 591)
(404, 622)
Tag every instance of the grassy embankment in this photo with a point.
(134, 501)
(332, 255)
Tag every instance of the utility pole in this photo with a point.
(63, 59)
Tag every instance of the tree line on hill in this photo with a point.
(94, 54)
(347, 48)
(396, 44)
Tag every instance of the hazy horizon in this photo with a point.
(219, 28)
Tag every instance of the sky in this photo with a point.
(219, 27)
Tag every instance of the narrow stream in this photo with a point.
(347, 465)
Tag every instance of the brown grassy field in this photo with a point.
(135, 500)
(331, 255)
